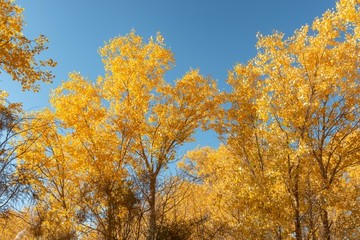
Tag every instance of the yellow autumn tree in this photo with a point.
(75, 168)
(115, 137)
(163, 116)
(240, 200)
(100, 150)
(295, 112)
(50, 174)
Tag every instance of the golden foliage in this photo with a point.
(129, 123)
(288, 167)
(18, 53)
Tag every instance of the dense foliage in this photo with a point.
(95, 164)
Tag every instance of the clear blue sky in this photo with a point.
(212, 35)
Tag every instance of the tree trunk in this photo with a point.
(279, 233)
(152, 203)
(110, 226)
(325, 234)
(325, 225)
(298, 230)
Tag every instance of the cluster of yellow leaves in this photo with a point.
(49, 158)
(17, 53)
(240, 204)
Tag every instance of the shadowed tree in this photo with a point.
(18, 59)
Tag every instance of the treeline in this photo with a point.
(95, 165)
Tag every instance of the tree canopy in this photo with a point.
(95, 164)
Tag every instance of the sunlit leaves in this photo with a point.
(18, 54)
(126, 125)
(291, 133)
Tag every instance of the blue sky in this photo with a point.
(210, 35)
